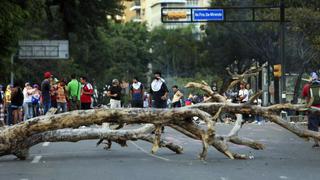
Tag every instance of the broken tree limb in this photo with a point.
(204, 87)
(254, 70)
(75, 135)
(14, 140)
(255, 97)
(156, 141)
(266, 112)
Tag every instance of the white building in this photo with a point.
(149, 11)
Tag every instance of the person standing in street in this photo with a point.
(114, 92)
(36, 96)
(243, 97)
(243, 93)
(159, 92)
(62, 96)
(7, 104)
(27, 101)
(74, 90)
(2, 123)
(137, 93)
(86, 93)
(45, 92)
(311, 93)
(16, 104)
(177, 97)
(53, 91)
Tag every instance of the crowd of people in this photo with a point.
(22, 103)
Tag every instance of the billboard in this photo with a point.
(43, 49)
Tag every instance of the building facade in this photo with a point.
(149, 11)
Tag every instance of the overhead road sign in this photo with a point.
(44, 49)
(220, 14)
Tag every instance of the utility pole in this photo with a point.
(11, 67)
(282, 53)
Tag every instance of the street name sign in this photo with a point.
(205, 15)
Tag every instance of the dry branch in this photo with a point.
(15, 140)
(75, 135)
(204, 87)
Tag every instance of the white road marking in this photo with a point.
(24, 179)
(36, 159)
(223, 178)
(148, 153)
(46, 144)
(283, 177)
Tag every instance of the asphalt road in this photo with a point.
(286, 157)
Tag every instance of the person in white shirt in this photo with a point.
(243, 94)
(27, 101)
(243, 97)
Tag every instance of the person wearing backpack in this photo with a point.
(74, 89)
(311, 92)
(35, 99)
(86, 94)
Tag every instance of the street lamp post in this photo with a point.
(282, 52)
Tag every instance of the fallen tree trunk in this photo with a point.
(15, 140)
(75, 135)
(19, 138)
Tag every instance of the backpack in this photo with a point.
(315, 93)
(35, 100)
(1, 97)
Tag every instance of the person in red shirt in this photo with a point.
(311, 94)
(86, 93)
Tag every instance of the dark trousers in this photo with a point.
(74, 105)
(137, 103)
(85, 106)
(313, 122)
(176, 104)
(9, 115)
(159, 104)
(46, 106)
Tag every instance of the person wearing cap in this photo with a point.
(27, 101)
(45, 92)
(114, 92)
(311, 93)
(74, 90)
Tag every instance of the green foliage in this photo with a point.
(103, 50)
(175, 51)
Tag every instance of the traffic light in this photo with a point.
(177, 15)
(277, 70)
